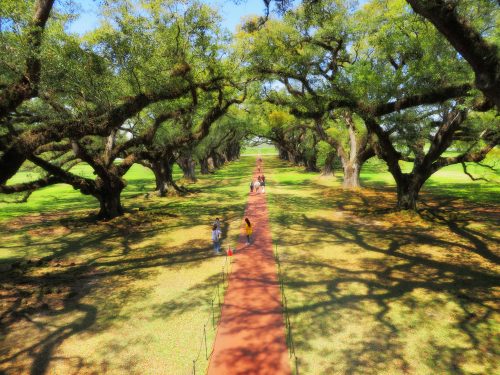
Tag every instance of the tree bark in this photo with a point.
(211, 163)
(163, 169)
(482, 56)
(310, 163)
(108, 192)
(328, 168)
(352, 170)
(282, 152)
(27, 87)
(188, 165)
(110, 204)
(217, 159)
(408, 187)
(233, 151)
(204, 169)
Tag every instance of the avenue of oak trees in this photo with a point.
(144, 87)
(380, 81)
(161, 83)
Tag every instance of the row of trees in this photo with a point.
(379, 81)
(159, 83)
(145, 87)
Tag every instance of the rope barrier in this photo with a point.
(215, 314)
(216, 292)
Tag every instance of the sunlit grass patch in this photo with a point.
(131, 295)
(374, 291)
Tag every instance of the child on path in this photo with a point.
(217, 223)
(216, 234)
(248, 230)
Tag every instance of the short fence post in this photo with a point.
(213, 315)
(205, 334)
(218, 296)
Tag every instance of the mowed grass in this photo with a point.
(374, 291)
(131, 295)
(63, 197)
(263, 149)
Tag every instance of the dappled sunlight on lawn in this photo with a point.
(375, 291)
(128, 295)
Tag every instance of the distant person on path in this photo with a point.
(216, 234)
(248, 230)
(263, 183)
(260, 181)
(251, 186)
(217, 223)
(256, 186)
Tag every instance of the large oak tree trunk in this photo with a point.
(408, 187)
(110, 204)
(211, 163)
(108, 193)
(328, 168)
(188, 165)
(283, 154)
(204, 168)
(233, 151)
(163, 170)
(351, 175)
(294, 157)
(310, 164)
(159, 179)
(215, 160)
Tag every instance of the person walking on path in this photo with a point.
(251, 186)
(256, 186)
(251, 334)
(216, 234)
(263, 183)
(248, 230)
(217, 223)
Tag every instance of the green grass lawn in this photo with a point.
(63, 197)
(370, 290)
(373, 291)
(259, 150)
(131, 295)
(447, 182)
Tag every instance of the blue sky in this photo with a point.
(231, 13)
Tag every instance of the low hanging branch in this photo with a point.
(30, 186)
(27, 87)
(464, 166)
(482, 56)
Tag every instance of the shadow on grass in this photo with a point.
(28, 294)
(69, 269)
(371, 290)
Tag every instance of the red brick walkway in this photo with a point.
(251, 334)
